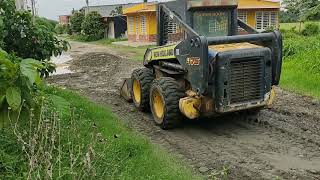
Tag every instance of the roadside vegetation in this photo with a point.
(297, 26)
(87, 28)
(48, 23)
(50, 133)
(77, 139)
(301, 65)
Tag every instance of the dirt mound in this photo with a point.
(284, 143)
(91, 61)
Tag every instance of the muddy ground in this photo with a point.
(285, 143)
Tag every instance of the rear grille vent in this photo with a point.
(246, 80)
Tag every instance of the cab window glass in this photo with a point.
(211, 24)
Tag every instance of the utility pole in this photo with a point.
(87, 2)
(33, 9)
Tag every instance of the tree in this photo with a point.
(50, 24)
(25, 39)
(76, 21)
(288, 17)
(117, 11)
(303, 9)
(93, 26)
(313, 13)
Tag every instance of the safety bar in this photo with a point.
(246, 27)
(178, 21)
(241, 38)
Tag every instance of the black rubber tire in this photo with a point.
(171, 94)
(145, 77)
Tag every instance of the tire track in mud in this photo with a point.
(284, 143)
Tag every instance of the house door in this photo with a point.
(137, 28)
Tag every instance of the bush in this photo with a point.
(76, 21)
(49, 24)
(28, 48)
(28, 40)
(295, 43)
(93, 26)
(63, 29)
(311, 29)
(59, 29)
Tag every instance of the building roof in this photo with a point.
(242, 4)
(258, 4)
(143, 7)
(106, 10)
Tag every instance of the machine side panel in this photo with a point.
(193, 56)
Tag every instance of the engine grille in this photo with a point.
(246, 80)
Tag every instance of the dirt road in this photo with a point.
(285, 143)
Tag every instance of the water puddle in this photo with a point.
(62, 64)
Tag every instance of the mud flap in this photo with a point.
(125, 89)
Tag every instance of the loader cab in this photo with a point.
(211, 18)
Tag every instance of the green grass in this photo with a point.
(143, 160)
(299, 80)
(301, 64)
(298, 26)
(123, 153)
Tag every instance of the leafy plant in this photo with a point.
(93, 26)
(311, 29)
(76, 21)
(17, 78)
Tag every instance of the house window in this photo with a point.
(172, 27)
(266, 19)
(243, 16)
(131, 25)
(143, 24)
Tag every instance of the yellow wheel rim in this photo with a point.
(157, 104)
(136, 91)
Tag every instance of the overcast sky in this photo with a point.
(53, 8)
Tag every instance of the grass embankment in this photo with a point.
(133, 53)
(141, 159)
(119, 152)
(301, 65)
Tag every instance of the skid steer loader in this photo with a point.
(202, 67)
